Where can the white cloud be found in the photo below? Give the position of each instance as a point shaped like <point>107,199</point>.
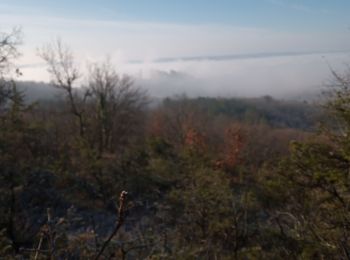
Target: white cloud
<point>282,77</point>
<point>93,39</point>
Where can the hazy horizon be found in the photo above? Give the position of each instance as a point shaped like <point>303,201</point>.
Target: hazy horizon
<point>232,48</point>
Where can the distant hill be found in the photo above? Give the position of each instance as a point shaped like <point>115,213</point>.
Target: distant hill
<point>276,113</point>
<point>36,91</point>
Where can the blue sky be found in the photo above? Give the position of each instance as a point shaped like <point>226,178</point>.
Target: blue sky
<point>279,14</point>
<point>150,30</point>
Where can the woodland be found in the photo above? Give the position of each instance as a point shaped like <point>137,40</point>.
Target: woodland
<point>102,173</point>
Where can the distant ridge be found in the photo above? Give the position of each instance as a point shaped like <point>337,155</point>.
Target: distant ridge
<point>258,55</point>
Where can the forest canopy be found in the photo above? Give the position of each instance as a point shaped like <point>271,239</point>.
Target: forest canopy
<point>101,173</point>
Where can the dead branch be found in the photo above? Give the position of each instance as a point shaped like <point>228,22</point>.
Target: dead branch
<point>120,222</point>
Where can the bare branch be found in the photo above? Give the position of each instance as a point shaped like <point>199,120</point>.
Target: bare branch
<point>64,73</point>
<point>8,48</point>
<point>120,222</point>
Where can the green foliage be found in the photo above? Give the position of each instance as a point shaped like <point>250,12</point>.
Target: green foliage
<point>205,176</point>
<point>317,188</point>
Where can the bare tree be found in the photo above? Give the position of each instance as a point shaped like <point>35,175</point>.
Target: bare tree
<point>64,74</point>
<point>9,48</point>
<point>117,103</point>
<point>8,52</point>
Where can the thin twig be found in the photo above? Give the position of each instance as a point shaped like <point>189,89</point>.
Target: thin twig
<point>121,218</point>
<point>50,233</point>
<point>39,246</point>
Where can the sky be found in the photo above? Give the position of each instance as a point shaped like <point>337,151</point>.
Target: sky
<point>198,47</point>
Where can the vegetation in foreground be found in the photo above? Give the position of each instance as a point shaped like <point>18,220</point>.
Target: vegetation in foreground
<point>202,182</point>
